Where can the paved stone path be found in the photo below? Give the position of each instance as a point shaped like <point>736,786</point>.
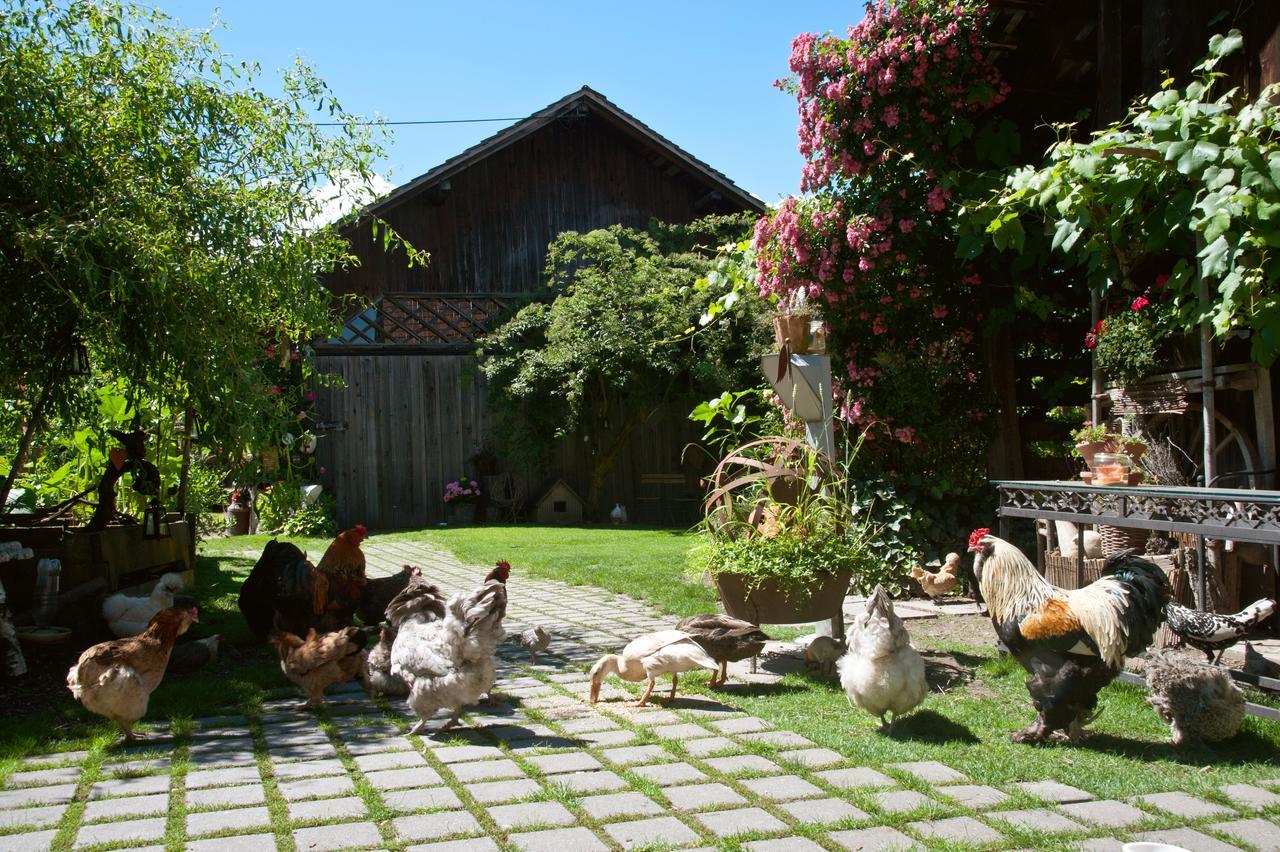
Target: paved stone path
<point>544,771</point>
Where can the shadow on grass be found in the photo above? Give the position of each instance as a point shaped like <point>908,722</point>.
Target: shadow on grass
<point>1245,747</point>
<point>927,726</point>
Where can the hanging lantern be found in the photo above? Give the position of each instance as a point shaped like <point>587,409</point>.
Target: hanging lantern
<point>153,523</point>
<point>78,359</point>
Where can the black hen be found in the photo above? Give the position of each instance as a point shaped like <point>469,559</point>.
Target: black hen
<point>278,595</point>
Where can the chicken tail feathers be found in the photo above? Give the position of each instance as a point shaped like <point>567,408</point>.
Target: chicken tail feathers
<point>1147,592</point>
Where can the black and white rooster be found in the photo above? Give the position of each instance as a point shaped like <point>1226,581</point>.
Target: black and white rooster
<point>1211,631</point>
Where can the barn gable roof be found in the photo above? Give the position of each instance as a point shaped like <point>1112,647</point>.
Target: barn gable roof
<point>585,98</point>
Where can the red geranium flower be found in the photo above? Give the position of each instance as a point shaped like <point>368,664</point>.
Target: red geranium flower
<point>1140,303</point>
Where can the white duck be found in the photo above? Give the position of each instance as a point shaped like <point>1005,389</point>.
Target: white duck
<point>129,616</point>
<point>649,657</point>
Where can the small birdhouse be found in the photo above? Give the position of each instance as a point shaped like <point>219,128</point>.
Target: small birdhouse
<point>559,505</point>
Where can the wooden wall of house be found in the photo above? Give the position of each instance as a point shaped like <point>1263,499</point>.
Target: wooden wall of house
<point>488,233</point>
<point>404,425</point>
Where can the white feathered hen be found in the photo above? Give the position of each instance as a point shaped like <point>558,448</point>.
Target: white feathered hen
<point>449,663</point>
<point>129,616</point>
<point>880,671</point>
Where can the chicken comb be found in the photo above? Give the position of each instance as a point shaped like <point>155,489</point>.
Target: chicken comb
<point>977,535</point>
<point>502,563</point>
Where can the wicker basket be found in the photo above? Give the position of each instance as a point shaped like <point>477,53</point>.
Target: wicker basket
<point>1122,538</point>
<point>1061,570</point>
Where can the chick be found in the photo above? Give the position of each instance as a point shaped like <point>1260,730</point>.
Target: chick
<point>822,654</point>
<point>535,640</point>
<point>881,672</point>
<point>1200,702</point>
<point>936,584</point>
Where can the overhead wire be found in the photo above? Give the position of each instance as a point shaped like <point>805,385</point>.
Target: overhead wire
<point>371,122</point>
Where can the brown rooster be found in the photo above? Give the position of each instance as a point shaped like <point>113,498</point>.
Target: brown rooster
<point>340,572</point>
<point>322,660</point>
<point>501,571</point>
<point>1072,642</point>
<point>116,679</point>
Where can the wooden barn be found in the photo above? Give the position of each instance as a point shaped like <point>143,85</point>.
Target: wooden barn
<point>409,415</point>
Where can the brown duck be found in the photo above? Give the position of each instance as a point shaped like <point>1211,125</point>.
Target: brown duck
<point>726,640</point>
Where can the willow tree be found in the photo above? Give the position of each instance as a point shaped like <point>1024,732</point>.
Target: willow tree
<point>154,210</point>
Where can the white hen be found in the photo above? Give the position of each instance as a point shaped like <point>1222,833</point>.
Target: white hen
<point>129,616</point>
<point>881,672</point>
<point>449,663</point>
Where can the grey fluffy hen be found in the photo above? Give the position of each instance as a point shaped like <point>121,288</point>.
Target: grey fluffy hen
<point>1200,703</point>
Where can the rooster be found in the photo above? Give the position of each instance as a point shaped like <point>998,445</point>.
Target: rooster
<point>501,571</point>
<point>339,575</point>
<point>285,592</point>
<point>1073,643</point>
<point>116,679</point>
<point>448,663</point>
<point>1211,631</point>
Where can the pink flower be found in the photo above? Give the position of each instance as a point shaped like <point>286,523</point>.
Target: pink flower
<point>940,312</point>
<point>1140,303</point>
<point>276,390</point>
<point>311,396</point>
<point>906,225</point>
<point>294,356</point>
<point>905,434</point>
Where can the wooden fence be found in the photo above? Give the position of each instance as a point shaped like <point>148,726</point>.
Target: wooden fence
<point>403,425</point>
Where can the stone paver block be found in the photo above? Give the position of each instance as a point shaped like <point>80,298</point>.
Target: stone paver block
<point>880,837</point>
<point>399,779</point>
<point>591,782</point>
<point>56,794</point>
<point>148,785</point>
<point>461,754</point>
<point>1187,838</point>
<point>120,832</point>
<point>326,809</point>
<point>930,771</point>
<point>783,788</point>
<point>1100,844</point>
<point>699,796</point>
<point>1183,805</point>
<point>291,771</point>
<point>1105,812</point>
<point>686,731</point>
<point>1037,819</point>
<point>127,806</point>
<point>1053,791</point>
<point>486,770</point>
<point>901,801</point>
<point>976,796</point>
<point>574,761</point>
<point>1258,833</point>
<point>740,821</point>
<point>434,826</point>
<point>416,800</point>
<point>651,832</point>
<point>210,822</point>
<point>198,779</point>
<point>45,777</point>
<point>588,724</point>
<point>389,760</point>
<point>241,794</point>
<point>37,817</point>
<point>785,739</point>
<point>602,739</point>
<point>378,746</point>
<point>632,755</point>
<point>741,725</point>
<point>710,745</point>
<point>815,758</point>
<point>238,843</point>
<point>349,835</point>
<point>783,844</point>
<point>495,792</point>
<point>531,813</point>
<point>822,811</point>
<point>316,788</point>
<point>859,776</point>
<point>668,774</point>
<point>475,844</point>
<point>1249,797</point>
<point>559,840</point>
<point>957,829</point>
<point>34,841</point>
<point>743,763</point>
<point>619,805</point>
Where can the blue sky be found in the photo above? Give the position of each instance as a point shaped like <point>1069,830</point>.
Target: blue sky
<point>700,72</point>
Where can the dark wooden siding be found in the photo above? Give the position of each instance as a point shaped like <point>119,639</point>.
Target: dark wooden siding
<point>404,425</point>
<point>490,230</point>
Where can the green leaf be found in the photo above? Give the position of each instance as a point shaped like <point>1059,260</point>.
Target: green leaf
<point>1220,45</point>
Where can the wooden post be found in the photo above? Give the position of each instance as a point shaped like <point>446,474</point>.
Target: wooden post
<point>1095,385</point>
<point>1208,415</point>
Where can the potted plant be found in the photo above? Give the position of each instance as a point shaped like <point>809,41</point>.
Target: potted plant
<point>460,498</point>
<point>781,562</point>
<point>791,323</point>
<point>1091,438</point>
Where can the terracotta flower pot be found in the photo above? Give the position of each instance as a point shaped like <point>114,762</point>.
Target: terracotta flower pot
<point>1087,449</point>
<point>770,603</point>
<point>792,329</point>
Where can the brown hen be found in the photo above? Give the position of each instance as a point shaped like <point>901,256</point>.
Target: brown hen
<point>322,660</point>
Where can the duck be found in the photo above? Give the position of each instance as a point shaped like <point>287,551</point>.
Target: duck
<point>726,639</point>
<point>651,656</point>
